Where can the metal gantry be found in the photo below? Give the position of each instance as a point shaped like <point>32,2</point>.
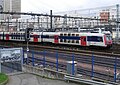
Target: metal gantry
<point>63,22</point>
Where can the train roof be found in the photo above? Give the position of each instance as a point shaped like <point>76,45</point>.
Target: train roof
<point>80,33</point>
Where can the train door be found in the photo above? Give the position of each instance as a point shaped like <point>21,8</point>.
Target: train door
<point>7,36</point>
<point>83,40</point>
<point>56,39</point>
<point>35,37</point>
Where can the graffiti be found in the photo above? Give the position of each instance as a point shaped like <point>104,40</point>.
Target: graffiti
<point>10,55</point>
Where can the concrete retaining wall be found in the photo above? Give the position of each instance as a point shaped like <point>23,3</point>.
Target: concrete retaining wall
<point>44,72</point>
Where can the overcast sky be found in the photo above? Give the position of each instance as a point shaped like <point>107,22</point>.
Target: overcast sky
<point>44,6</point>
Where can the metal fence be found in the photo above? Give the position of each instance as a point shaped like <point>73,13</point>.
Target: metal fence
<point>88,66</point>
<point>11,67</point>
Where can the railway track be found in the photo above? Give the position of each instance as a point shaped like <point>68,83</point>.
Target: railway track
<point>69,50</point>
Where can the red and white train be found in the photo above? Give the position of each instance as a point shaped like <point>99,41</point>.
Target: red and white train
<point>70,38</point>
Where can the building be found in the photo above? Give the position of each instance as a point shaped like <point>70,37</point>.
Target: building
<point>1,5</point>
<point>11,6</point>
<point>16,7</point>
<point>104,17</point>
<point>1,8</point>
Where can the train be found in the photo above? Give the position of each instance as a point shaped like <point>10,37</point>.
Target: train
<point>103,39</point>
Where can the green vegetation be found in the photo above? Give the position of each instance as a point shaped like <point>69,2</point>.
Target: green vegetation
<point>3,78</point>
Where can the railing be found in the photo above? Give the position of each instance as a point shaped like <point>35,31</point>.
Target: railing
<point>86,81</point>
<point>86,66</point>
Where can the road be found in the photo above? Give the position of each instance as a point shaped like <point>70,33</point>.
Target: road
<point>30,79</point>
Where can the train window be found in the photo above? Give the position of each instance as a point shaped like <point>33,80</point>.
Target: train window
<point>95,38</point>
<point>61,34</point>
<point>108,37</point>
<point>16,36</point>
<point>65,40</point>
<point>65,34</point>
<point>77,41</point>
<point>21,36</point>
<point>77,34</point>
<point>100,39</point>
<point>72,41</point>
<point>68,41</point>
<point>61,40</point>
<point>51,36</point>
<point>73,34</point>
<point>68,34</point>
<point>11,35</point>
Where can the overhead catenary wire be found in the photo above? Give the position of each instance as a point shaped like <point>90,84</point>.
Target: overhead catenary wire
<point>37,14</point>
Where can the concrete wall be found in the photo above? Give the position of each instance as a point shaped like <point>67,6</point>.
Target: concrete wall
<point>44,72</point>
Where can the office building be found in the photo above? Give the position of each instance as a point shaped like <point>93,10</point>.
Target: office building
<point>10,6</point>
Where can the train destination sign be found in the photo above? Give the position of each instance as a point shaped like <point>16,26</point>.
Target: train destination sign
<point>11,54</point>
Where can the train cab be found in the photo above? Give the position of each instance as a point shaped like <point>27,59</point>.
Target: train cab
<point>108,39</point>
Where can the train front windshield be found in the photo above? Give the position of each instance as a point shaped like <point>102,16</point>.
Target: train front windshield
<point>108,37</point>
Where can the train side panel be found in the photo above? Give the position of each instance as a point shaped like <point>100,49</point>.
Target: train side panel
<point>49,37</point>
<point>69,38</point>
<point>17,36</point>
<point>95,40</point>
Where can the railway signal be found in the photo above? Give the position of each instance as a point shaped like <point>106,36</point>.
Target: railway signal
<point>27,34</point>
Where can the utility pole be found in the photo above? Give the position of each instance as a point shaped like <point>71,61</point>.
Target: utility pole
<point>38,20</point>
<point>8,24</point>
<point>64,22</point>
<point>47,21</point>
<point>51,19</point>
<point>117,23</point>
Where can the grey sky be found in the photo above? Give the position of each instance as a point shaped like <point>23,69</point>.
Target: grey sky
<point>44,6</point>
